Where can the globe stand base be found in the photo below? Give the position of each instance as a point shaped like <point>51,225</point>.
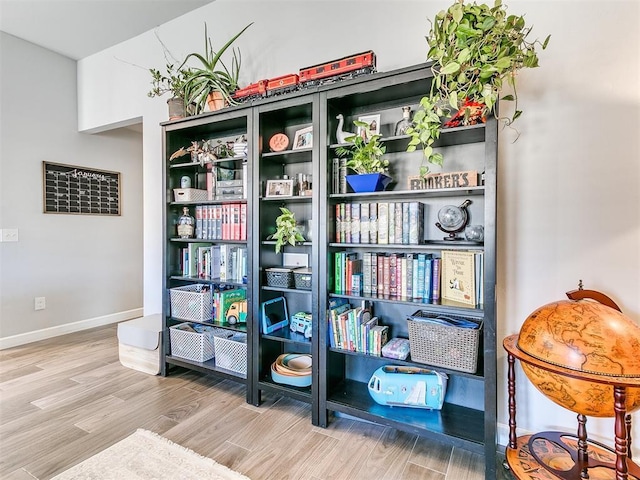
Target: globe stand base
<point>554,455</point>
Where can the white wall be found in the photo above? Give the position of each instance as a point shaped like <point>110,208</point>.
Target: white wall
<point>89,268</point>
<point>568,192</point>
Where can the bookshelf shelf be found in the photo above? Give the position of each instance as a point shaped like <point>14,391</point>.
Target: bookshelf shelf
<point>302,394</point>
<point>205,367</point>
<point>456,425</point>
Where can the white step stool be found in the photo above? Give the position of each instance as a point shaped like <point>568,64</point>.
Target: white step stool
<point>140,343</point>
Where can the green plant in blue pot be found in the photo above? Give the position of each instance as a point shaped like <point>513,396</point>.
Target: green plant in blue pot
<point>365,152</point>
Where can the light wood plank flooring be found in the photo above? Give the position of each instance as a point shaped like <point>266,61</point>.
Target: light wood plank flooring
<point>65,399</point>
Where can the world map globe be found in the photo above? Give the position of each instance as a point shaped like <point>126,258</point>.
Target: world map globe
<point>585,347</point>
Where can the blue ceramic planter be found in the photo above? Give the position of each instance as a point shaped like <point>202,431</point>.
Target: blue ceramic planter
<point>368,182</point>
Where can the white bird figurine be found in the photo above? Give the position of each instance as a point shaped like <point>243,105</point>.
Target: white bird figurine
<point>341,135</point>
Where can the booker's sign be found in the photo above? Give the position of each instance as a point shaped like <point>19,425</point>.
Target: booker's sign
<point>444,180</point>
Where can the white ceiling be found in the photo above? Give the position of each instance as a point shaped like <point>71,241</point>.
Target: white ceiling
<point>79,28</point>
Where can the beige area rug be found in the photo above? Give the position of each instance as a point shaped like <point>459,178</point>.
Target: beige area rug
<point>145,455</point>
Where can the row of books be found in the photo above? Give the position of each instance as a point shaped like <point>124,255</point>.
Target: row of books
<point>224,262</point>
<point>380,223</point>
<point>221,222</point>
<point>355,329</point>
<point>455,275</point>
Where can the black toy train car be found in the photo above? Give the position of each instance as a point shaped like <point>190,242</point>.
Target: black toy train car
<point>327,72</point>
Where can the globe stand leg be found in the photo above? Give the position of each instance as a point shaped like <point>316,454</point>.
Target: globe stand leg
<point>583,453</point>
<point>627,421</point>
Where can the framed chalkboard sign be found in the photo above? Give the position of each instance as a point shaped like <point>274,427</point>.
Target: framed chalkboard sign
<point>79,190</point>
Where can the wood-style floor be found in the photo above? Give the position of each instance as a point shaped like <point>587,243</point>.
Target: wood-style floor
<point>63,400</point>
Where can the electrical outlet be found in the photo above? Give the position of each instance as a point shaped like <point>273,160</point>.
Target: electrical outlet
<point>9,234</point>
<point>40,303</point>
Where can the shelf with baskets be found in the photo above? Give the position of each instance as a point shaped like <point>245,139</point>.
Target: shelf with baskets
<point>206,262</point>
<point>286,164</point>
<point>389,305</point>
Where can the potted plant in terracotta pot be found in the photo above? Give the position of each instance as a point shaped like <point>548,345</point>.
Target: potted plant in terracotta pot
<point>173,82</point>
<point>476,50</point>
<point>365,160</point>
<point>211,81</point>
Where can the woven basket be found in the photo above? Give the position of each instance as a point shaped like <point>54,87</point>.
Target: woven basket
<point>192,302</point>
<point>442,346</point>
<point>195,346</point>
<point>280,277</point>
<point>231,352</point>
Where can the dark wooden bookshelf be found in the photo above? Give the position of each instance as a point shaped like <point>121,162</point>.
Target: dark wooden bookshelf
<point>468,417</point>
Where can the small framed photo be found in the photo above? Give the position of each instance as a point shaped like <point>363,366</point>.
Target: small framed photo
<point>303,138</point>
<point>374,125</point>
<point>279,188</point>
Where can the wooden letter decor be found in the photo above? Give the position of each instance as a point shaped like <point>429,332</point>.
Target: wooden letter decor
<point>444,180</point>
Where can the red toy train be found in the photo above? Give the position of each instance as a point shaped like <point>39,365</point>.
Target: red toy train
<point>341,69</point>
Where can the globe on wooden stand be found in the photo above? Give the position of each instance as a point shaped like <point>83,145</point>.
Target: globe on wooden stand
<point>453,220</point>
<point>580,353</point>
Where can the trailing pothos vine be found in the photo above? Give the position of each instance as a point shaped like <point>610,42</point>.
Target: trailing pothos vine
<point>475,49</point>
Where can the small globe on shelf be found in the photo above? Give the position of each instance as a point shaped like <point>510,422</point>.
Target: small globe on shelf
<point>452,219</point>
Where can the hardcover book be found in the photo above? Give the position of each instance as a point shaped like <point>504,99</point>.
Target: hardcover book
<point>458,276</point>
<point>391,223</point>
<point>383,223</point>
<point>355,223</point>
<point>416,223</point>
<point>364,223</point>
<point>373,223</point>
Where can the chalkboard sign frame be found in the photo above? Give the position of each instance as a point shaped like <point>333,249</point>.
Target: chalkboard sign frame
<point>76,190</point>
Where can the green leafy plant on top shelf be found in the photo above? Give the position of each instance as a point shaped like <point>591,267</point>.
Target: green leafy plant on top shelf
<point>476,50</point>
<point>365,152</point>
<point>211,74</point>
<point>172,82</point>
<point>287,232</point>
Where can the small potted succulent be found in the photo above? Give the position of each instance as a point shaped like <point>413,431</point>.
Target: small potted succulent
<point>365,160</point>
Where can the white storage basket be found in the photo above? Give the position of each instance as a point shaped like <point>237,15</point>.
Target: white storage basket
<point>231,352</point>
<point>191,345</point>
<point>192,302</point>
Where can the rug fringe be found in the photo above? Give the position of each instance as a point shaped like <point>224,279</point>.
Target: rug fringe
<point>157,436</point>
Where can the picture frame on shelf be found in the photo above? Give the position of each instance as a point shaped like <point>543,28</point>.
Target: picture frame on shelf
<point>303,138</point>
<point>279,188</point>
<point>374,125</point>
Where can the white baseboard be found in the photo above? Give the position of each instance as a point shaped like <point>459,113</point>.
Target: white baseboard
<point>45,333</point>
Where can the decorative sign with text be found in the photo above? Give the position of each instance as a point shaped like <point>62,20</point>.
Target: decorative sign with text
<point>444,180</point>
<point>80,190</point>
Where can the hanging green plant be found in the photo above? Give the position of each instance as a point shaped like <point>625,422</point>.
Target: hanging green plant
<point>475,49</point>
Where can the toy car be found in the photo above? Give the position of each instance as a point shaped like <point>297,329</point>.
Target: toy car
<point>301,323</point>
<point>237,312</point>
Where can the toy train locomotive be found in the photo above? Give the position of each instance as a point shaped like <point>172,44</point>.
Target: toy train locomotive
<point>327,72</point>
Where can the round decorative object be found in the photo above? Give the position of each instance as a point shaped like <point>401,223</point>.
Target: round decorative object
<point>580,353</point>
<point>452,219</point>
<point>474,233</point>
<point>586,337</point>
<point>278,142</point>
